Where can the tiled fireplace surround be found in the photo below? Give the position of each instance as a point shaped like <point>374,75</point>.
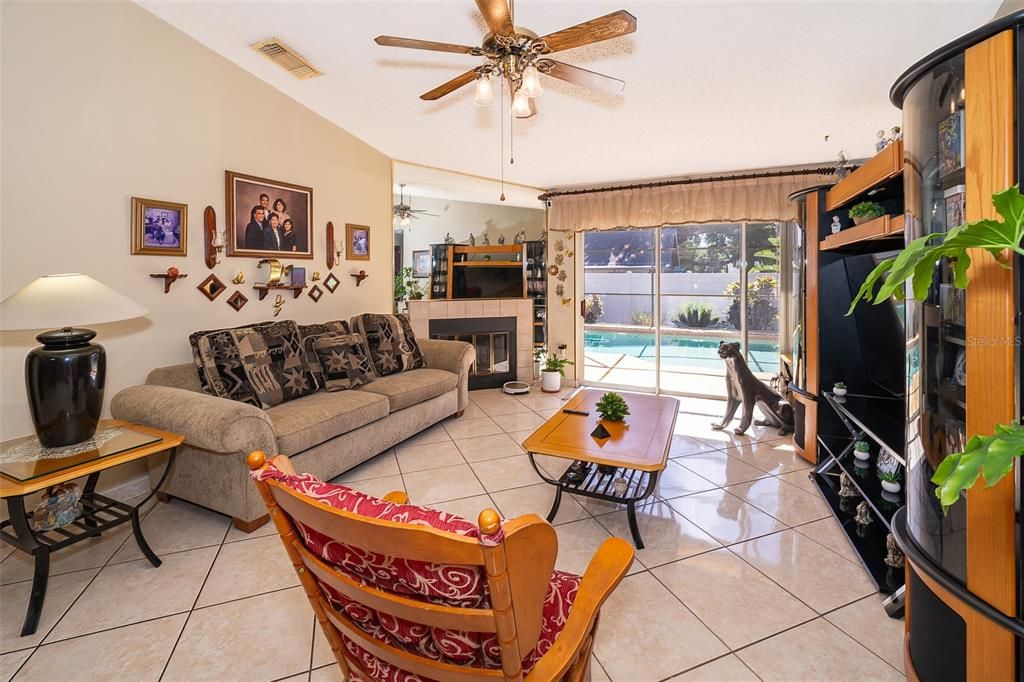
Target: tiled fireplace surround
<point>421,312</point>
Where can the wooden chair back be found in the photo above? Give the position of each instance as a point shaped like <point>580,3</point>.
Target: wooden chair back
<point>517,569</point>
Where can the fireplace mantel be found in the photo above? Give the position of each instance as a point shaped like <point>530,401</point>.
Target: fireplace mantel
<point>421,312</point>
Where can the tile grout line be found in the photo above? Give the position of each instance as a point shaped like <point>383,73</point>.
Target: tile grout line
<point>177,640</point>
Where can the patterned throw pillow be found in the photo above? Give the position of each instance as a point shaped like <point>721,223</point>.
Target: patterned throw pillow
<point>342,360</point>
<point>274,364</point>
<point>389,342</point>
<point>308,332</point>
<point>220,366</point>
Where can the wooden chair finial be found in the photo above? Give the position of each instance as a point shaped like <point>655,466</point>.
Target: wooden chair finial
<point>489,522</point>
<point>256,459</point>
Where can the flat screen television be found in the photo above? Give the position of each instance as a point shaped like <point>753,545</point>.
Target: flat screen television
<point>492,281</point>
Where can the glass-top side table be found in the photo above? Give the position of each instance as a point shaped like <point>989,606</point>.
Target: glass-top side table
<point>27,468</point>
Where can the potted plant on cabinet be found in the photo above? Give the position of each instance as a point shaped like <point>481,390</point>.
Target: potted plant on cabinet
<point>551,375</point>
<point>865,211</point>
<point>862,450</point>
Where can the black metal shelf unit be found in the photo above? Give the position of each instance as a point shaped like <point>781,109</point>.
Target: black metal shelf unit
<point>439,270</point>
<point>537,289</point>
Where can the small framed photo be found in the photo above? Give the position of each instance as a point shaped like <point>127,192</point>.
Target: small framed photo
<point>358,239</point>
<point>421,263</point>
<point>956,206</point>
<point>159,228</point>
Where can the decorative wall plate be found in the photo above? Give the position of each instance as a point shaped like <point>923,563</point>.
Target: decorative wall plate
<point>552,270</point>
<point>331,282</point>
<point>212,287</point>
<point>315,293</point>
<point>237,300</point>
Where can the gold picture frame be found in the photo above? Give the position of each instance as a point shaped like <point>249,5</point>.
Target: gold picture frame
<point>357,242</point>
<point>159,228</point>
<point>243,194</point>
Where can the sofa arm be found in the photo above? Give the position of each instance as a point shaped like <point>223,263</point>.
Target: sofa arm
<point>454,356</point>
<point>206,421</point>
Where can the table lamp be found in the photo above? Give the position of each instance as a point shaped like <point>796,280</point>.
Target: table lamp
<point>66,375</point>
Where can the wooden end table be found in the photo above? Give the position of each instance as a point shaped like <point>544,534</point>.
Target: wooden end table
<point>637,449</point>
<point>38,469</point>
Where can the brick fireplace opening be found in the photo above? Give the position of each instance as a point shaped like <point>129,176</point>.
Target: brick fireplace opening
<point>494,340</point>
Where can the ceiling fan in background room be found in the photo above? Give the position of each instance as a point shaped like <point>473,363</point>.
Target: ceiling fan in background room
<point>404,212</point>
<point>517,56</point>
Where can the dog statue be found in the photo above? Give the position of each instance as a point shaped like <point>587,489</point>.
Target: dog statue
<point>742,387</point>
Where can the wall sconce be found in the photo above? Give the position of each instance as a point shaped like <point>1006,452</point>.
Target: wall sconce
<point>339,249</point>
<point>219,242</point>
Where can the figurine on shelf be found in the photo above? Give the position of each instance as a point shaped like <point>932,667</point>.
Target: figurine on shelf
<point>846,488</point>
<point>520,237</point>
<point>880,141</point>
<point>472,239</point>
<point>842,166</point>
<point>895,134</point>
<point>448,238</point>
<point>893,555</point>
<point>837,225</point>
<point>485,240</point>
<point>863,516</point>
<point>501,240</point>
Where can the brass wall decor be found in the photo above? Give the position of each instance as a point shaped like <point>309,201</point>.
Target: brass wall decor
<point>276,270</point>
<point>237,300</point>
<point>315,293</point>
<point>238,278</point>
<point>316,275</point>
<point>211,287</point>
<point>278,304</point>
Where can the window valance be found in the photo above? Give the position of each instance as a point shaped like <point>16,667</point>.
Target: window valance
<point>699,201</point>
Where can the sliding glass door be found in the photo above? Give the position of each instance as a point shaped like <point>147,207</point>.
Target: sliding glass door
<point>657,303</point>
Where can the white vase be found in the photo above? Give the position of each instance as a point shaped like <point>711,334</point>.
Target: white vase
<point>551,382</point>
<point>838,391</point>
<point>890,486</point>
<point>861,455</point>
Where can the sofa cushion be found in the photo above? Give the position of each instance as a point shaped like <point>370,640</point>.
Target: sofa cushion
<point>311,331</point>
<point>389,342</point>
<point>274,363</point>
<point>342,359</point>
<point>302,424</point>
<point>219,366</point>
<point>410,388</point>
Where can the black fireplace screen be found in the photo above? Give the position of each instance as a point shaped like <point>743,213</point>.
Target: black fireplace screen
<point>494,342</point>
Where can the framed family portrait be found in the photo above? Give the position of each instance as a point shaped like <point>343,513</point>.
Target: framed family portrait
<point>358,239</point>
<point>159,228</point>
<point>421,263</point>
<point>268,218</point>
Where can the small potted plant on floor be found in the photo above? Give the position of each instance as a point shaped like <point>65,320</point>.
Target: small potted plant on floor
<point>862,450</point>
<point>865,211</point>
<point>551,375</point>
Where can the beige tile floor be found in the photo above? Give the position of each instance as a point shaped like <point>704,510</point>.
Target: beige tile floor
<point>745,575</point>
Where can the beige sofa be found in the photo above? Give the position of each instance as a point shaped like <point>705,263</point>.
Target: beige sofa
<point>324,433</point>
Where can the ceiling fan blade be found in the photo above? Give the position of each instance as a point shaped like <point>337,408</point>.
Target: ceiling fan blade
<point>603,28</point>
<point>588,79</point>
<point>416,44</point>
<point>497,15</point>
<point>451,86</point>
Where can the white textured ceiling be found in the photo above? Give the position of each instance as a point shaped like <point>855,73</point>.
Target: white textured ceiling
<point>710,86</point>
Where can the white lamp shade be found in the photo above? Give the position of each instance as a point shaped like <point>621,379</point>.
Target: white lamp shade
<point>67,300</point>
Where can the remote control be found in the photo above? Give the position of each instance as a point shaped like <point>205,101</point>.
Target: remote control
<point>582,413</point>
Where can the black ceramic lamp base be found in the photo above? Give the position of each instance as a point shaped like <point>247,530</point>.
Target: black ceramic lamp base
<point>65,379</point>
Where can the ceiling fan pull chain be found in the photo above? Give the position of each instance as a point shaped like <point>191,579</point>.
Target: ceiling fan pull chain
<point>501,135</point>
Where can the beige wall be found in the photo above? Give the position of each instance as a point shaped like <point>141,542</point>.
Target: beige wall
<point>103,101</point>
<point>462,217</point>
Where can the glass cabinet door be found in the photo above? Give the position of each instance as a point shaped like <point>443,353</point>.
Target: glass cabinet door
<point>934,186</point>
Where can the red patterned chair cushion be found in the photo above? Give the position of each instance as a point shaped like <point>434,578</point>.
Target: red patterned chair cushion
<point>460,586</point>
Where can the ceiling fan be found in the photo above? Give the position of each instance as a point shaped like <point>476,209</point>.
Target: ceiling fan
<point>404,212</point>
<point>518,56</point>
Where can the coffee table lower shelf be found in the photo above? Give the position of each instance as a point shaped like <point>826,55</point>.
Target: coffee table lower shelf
<point>599,486</point>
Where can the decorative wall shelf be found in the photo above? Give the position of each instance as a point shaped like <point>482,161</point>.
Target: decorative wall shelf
<point>360,276</point>
<point>884,227</point>
<point>264,289</point>
<point>168,279</point>
<point>884,166</point>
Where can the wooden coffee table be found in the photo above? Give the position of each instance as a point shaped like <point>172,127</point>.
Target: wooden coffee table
<point>26,468</point>
<point>637,449</point>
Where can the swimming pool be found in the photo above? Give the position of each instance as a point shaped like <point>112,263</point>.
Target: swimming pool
<point>680,350</point>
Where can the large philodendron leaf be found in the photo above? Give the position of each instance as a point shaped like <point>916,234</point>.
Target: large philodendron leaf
<point>991,457</point>
<point>916,261</point>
